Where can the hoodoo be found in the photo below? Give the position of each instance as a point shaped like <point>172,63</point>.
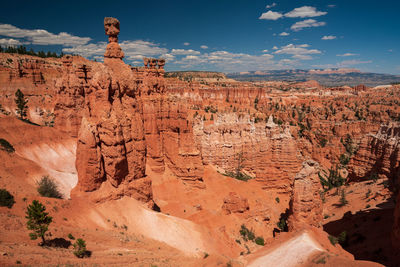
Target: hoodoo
<point>142,166</point>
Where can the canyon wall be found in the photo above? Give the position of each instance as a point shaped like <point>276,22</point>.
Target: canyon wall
<point>265,151</point>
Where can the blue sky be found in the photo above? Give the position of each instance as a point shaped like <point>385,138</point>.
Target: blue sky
<point>217,35</point>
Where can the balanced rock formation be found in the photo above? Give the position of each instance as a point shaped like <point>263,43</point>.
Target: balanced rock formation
<point>127,121</point>
<point>111,145</point>
<point>113,50</point>
<point>306,204</point>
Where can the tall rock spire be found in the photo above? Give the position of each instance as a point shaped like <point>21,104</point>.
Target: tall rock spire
<point>113,50</point>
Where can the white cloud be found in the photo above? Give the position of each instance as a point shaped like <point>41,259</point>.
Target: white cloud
<point>305,12</point>
<point>271,15</point>
<point>288,62</point>
<point>292,49</point>
<point>203,47</point>
<point>140,47</point>
<point>10,42</point>
<point>186,43</point>
<point>168,57</point>
<point>343,64</point>
<point>347,55</point>
<point>300,52</point>
<point>302,57</point>
<point>353,62</point>
<point>328,37</point>
<point>184,52</point>
<point>190,57</point>
<point>88,51</point>
<point>227,61</point>
<point>306,24</point>
<point>271,5</point>
<point>134,50</point>
<point>283,34</point>
<point>275,47</point>
<point>42,37</point>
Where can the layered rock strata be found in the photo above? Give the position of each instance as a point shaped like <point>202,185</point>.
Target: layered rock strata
<point>265,151</point>
<point>306,205</point>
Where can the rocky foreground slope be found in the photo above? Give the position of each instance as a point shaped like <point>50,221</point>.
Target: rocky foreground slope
<point>198,164</point>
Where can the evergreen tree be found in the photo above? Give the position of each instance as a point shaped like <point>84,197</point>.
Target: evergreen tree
<point>21,104</point>
<point>38,220</point>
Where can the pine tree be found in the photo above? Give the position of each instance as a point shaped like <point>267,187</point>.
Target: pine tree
<point>343,200</point>
<point>21,104</point>
<point>38,220</point>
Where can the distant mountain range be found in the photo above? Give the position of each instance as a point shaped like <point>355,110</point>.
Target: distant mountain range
<point>327,77</point>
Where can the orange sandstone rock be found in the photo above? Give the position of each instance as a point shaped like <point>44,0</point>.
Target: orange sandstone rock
<point>234,203</point>
<point>305,204</point>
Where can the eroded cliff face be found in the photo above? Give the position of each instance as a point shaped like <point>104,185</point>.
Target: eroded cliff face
<point>70,96</point>
<point>169,136</point>
<point>378,154</point>
<point>265,151</point>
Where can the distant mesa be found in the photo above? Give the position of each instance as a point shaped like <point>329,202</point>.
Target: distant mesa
<point>326,77</point>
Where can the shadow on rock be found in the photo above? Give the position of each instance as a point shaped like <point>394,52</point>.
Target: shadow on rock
<point>58,243</point>
<point>367,234</point>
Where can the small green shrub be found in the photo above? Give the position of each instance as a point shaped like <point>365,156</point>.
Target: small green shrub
<point>70,236</point>
<point>334,179</point>
<point>344,159</point>
<point>48,188</point>
<point>239,176</point>
<point>6,199</point>
<point>321,261</point>
<point>333,240</point>
<point>80,248</point>
<point>342,238</point>
<point>277,200</point>
<point>282,223</point>
<point>343,200</point>
<point>6,146</point>
<point>323,142</point>
<point>374,177</point>
<point>367,195</point>
<point>246,233</point>
<point>259,241</point>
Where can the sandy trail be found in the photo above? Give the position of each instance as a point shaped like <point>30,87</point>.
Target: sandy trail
<point>293,252</point>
